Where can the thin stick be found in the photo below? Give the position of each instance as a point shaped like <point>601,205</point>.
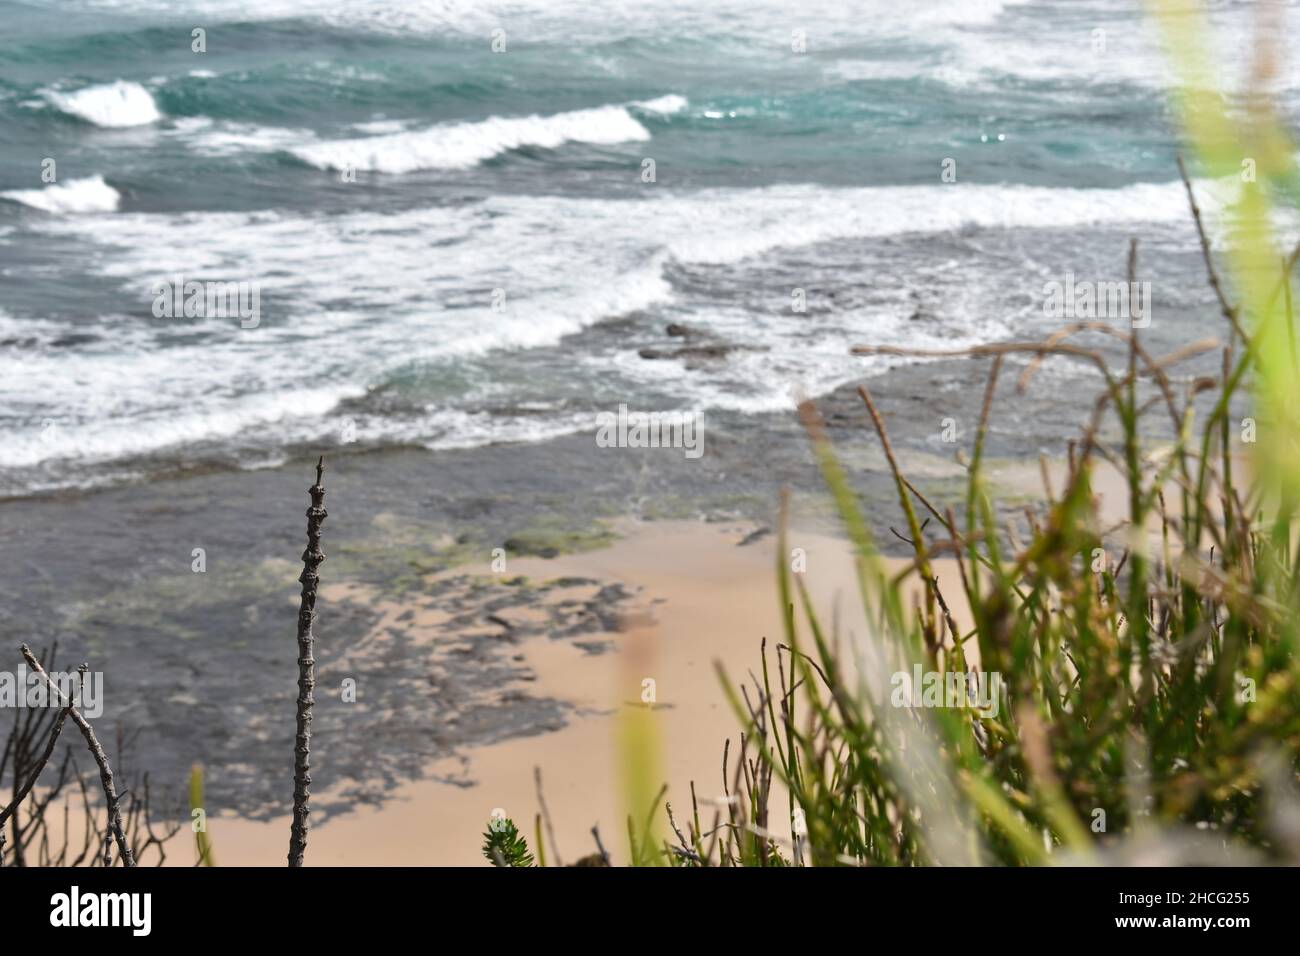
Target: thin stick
<point>546,816</point>
<point>686,850</point>
<point>1229,310</point>
<point>913,526</point>
<point>604,855</point>
<point>947,614</point>
<point>96,751</point>
<point>31,780</point>
<point>311,559</point>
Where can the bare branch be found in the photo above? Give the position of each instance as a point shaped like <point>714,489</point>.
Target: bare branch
<point>311,559</point>
<point>96,751</point>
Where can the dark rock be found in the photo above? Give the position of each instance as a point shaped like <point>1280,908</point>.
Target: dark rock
<point>689,352</point>
<point>523,547</point>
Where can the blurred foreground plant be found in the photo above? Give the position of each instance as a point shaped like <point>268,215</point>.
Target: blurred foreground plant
<point>1148,707</point>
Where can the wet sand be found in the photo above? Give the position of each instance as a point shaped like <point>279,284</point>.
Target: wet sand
<point>702,597</point>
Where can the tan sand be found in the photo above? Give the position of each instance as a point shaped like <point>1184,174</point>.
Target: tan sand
<point>703,598</point>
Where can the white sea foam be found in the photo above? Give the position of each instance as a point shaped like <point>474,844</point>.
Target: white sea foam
<point>552,20</point>
<point>667,104</point>
<point>463,145</point>
<point>90,194</point>
<point>112,104</point>
<point>104,439</point>
<point>381,127</point>
<point>972,43</point>
<point>802,215</point>
<point>380,294</point>
<point>1089,43</point>
<point>390,146</point>
<point>226,138</point>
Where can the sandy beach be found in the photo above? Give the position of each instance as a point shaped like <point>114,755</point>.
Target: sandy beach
<point>703,594</point>
<point>549,653</point>
<point>700,593</point>
<point>700,597</point>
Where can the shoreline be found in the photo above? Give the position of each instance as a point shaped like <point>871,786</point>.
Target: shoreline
<point>532,665</point>
<point>203,665</point>
<point>707,597</point>
<point>684,620</point>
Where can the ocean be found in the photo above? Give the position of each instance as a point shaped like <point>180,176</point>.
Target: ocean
<point>449,217</point>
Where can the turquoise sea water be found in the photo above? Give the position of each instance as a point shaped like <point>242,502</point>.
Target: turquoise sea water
<point>445,210</point>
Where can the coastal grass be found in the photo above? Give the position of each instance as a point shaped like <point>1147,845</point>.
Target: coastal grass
<point>1148,691</point>
<point>198,812</point>
<point>1146,682</point>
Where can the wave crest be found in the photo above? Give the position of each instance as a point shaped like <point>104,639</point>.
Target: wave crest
<point>91,194</point>
<point>111,105</point>
<point>465,145</point>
